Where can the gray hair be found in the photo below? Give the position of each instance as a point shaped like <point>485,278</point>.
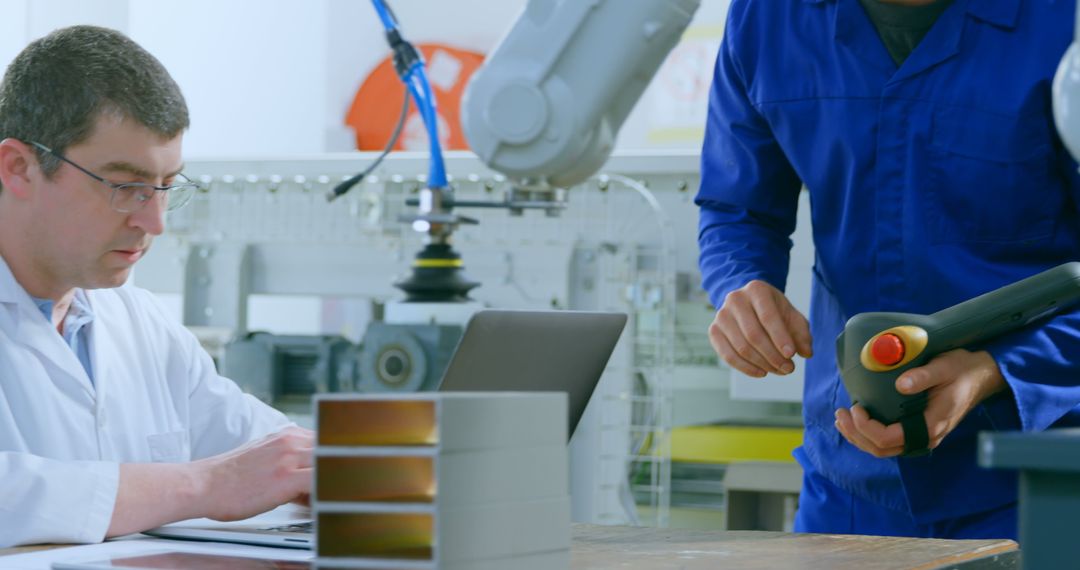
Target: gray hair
<point>58,86</point>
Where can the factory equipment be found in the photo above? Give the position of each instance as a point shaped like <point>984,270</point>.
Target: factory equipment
<point>1049,470</point>
<point>534,112</point>
<point>287,370</point>
<point>549,100</point>
<point>876,348</point>
<point>544,109</point>
<point>263,250</point>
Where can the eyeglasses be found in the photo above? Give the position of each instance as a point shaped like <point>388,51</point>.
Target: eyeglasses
<point>133,196</point>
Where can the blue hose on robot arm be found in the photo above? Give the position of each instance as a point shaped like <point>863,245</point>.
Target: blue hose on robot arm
<point>409,65</point>
<point>410,68</point>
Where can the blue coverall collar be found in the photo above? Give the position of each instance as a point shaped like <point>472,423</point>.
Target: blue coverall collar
<point>853,29</point>
<point>998,12</point>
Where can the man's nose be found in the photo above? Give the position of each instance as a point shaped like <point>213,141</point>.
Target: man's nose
<point>151,217</point>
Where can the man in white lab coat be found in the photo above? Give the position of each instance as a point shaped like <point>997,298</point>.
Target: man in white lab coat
<point>112,417</point>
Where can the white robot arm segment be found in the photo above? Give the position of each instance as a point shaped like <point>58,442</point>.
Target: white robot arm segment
<point>545,107</point>
<point>1066,95</point>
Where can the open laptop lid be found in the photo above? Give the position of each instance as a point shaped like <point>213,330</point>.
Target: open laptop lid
<point>535,351</point>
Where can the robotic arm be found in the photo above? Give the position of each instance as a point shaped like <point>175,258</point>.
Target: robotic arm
<point>547,104</point>
<point>544,109</point>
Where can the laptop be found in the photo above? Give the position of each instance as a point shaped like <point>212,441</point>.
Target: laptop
<point>508,351</point>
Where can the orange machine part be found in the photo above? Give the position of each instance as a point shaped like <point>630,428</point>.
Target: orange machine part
<point>377,104</point>
<point>888,349</point>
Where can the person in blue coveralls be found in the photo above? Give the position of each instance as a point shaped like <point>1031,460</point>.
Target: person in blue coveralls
<point>923,133</point>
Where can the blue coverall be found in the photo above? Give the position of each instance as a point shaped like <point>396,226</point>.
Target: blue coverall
<point>929,184</point>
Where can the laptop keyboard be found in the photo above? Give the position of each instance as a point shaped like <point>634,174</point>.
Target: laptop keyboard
<point>298,527</point>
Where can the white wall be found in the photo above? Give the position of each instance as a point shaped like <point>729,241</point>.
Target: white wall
<point>25,20</point>
<point>253,71</point>
<point>275,77</point>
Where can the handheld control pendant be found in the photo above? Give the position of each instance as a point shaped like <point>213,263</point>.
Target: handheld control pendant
<point>875,348</point>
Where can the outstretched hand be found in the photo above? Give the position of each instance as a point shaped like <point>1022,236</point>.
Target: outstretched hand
<point>956,382</point>
<point>758,331</point>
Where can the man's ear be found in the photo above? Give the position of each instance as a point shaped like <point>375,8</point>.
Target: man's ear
<point>17,161</point>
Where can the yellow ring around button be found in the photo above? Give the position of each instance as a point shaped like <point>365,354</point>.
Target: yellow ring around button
<point>438,263</point>
<point>914,339</point>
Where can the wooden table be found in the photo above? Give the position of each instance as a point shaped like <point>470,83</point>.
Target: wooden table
<point>639,548</point>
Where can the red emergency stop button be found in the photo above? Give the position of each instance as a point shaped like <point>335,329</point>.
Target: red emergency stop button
<point>888,349</point>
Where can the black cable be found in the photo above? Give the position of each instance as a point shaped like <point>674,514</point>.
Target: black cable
<point>347,185</point>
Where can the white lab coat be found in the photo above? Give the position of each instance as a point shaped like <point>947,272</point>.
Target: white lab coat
<point>157,398</point>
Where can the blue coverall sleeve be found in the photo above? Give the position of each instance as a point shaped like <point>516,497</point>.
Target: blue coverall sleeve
<point>749,191</point>
<point>1040,363</point>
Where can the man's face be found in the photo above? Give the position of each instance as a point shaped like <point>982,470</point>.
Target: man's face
<point>79,239</point>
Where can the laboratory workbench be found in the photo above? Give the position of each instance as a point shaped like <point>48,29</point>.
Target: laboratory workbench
<point>633,548</point>
<point>640,548</point>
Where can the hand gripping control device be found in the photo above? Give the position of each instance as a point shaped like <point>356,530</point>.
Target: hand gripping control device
<point>875,348</point>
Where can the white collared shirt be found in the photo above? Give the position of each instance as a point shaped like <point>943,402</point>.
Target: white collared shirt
<point>156,398</point>
<point>76,327</point>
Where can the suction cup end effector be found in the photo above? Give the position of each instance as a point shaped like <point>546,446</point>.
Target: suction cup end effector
<point>437,277</point>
